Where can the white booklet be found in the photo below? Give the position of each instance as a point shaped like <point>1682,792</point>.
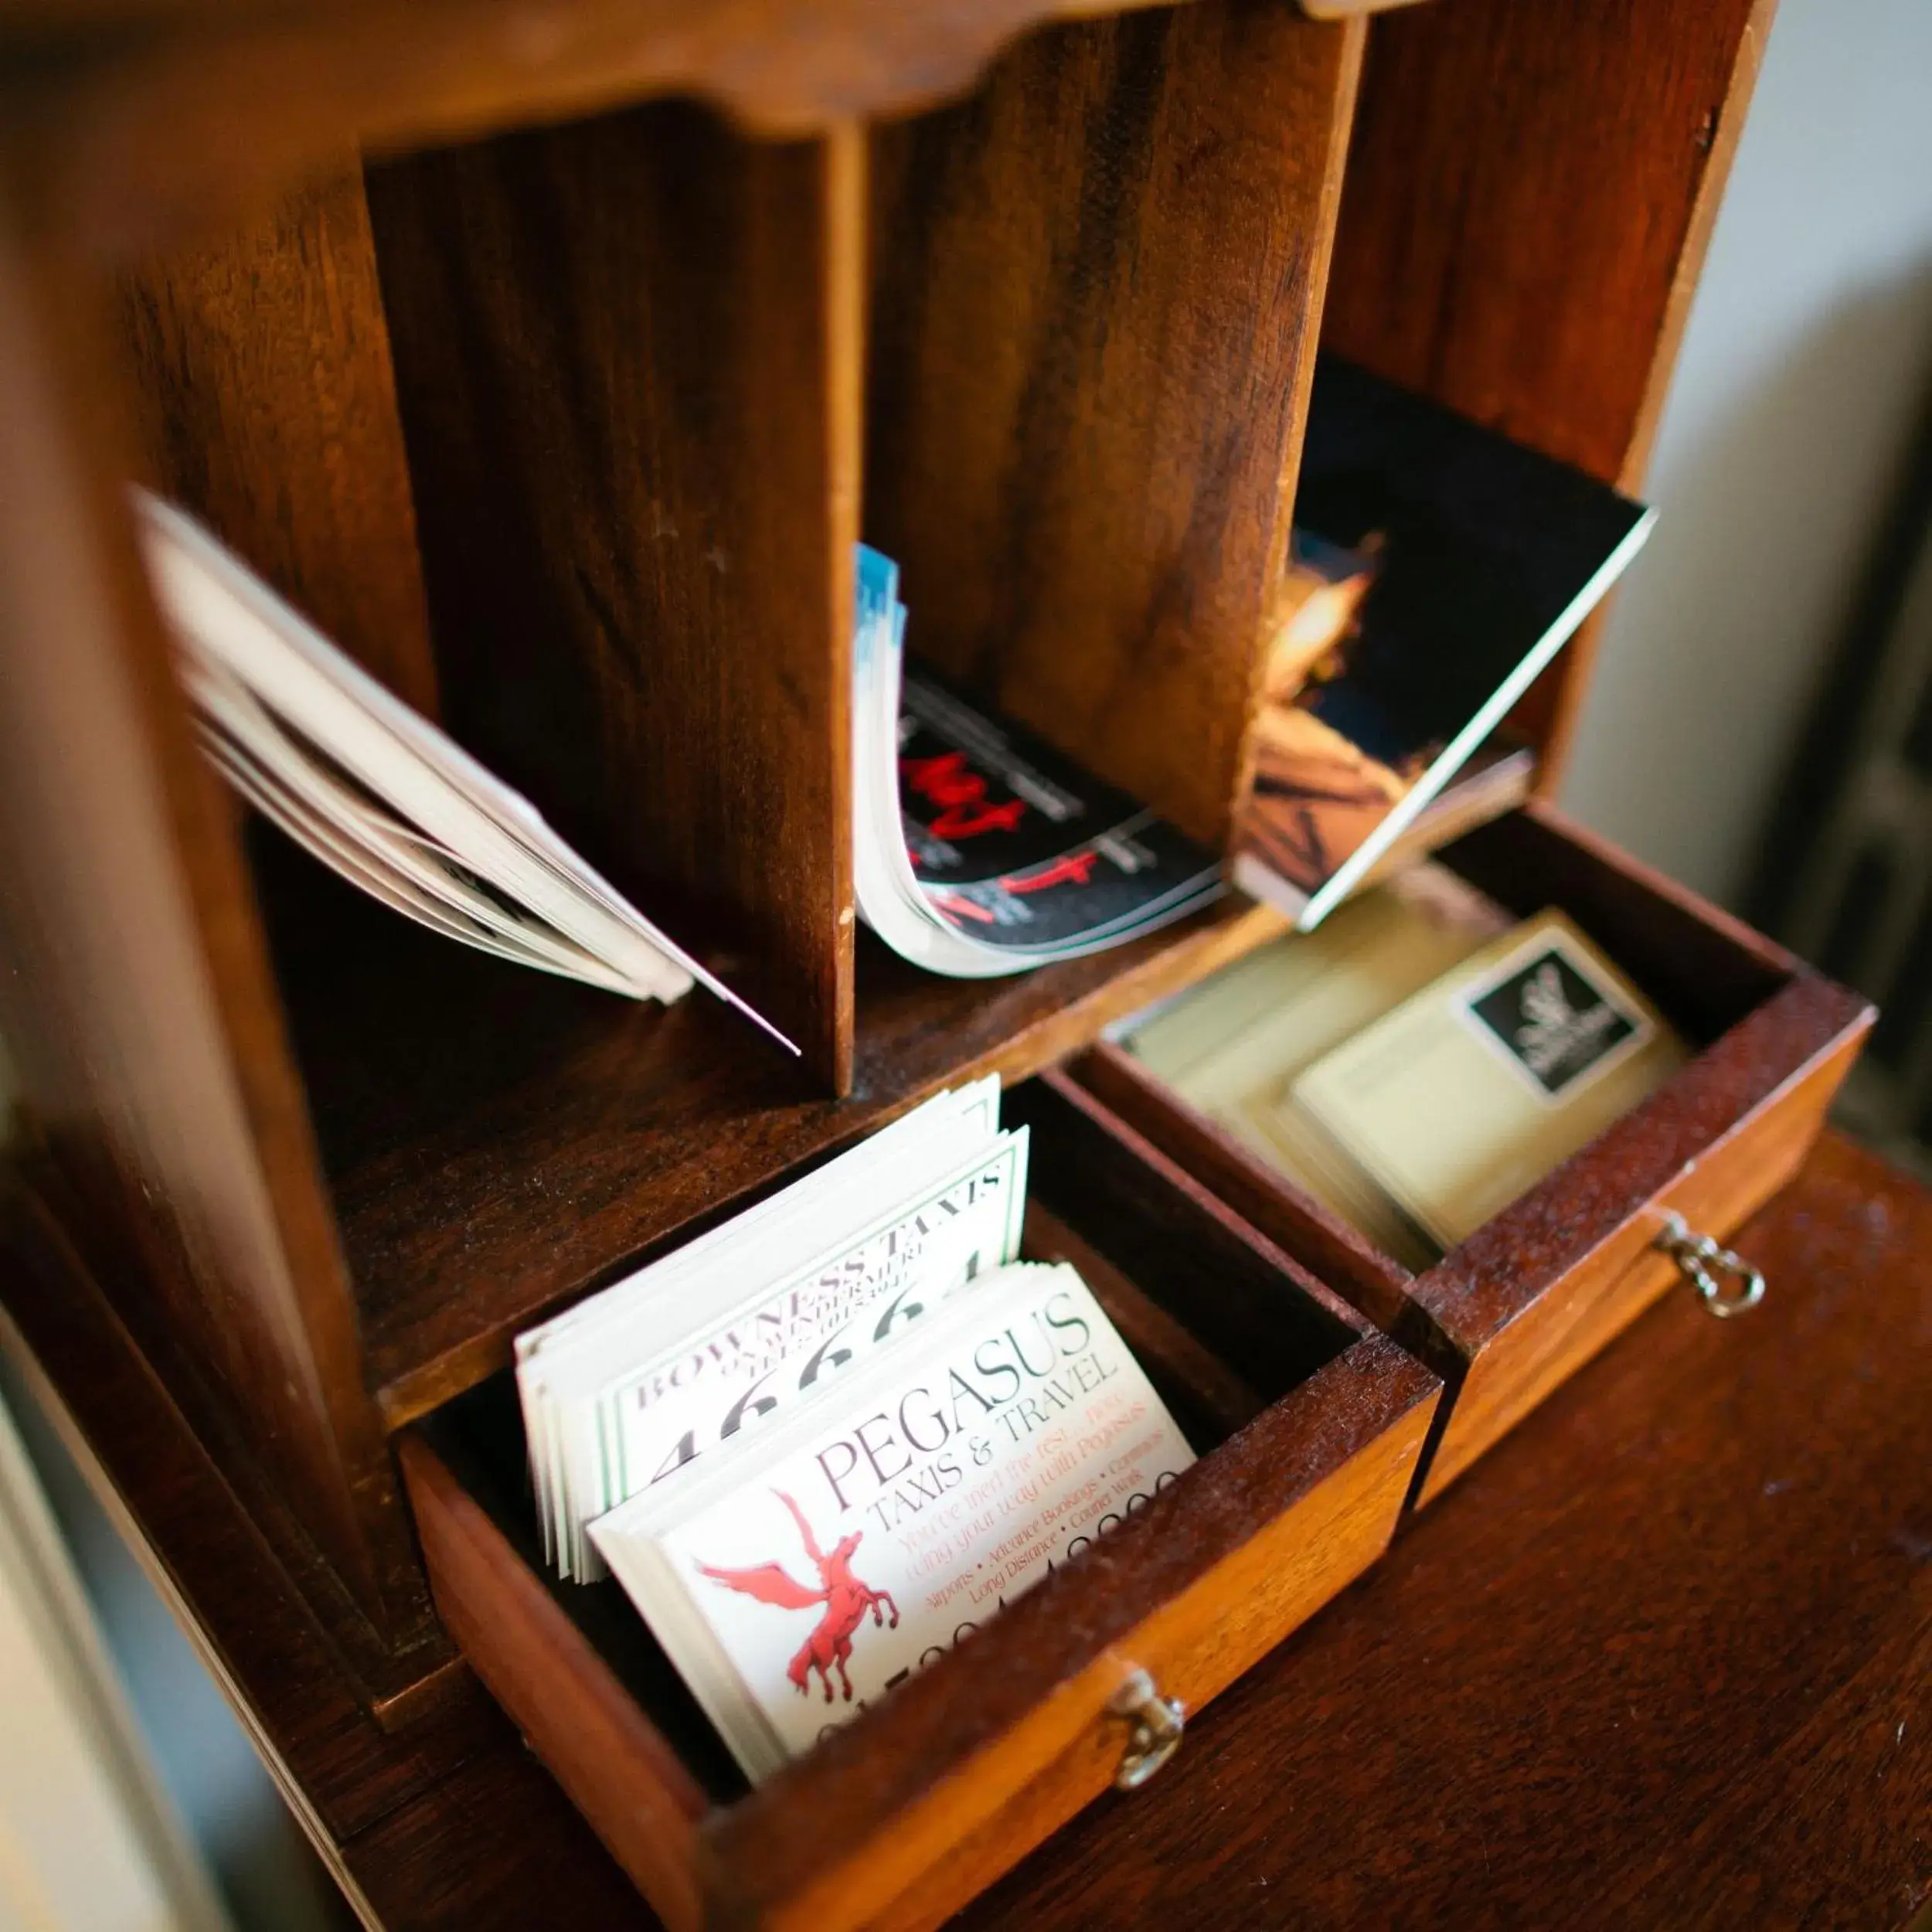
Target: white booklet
<point>677,1362</point>
<point>803,1577</point>
<point>379,794</point>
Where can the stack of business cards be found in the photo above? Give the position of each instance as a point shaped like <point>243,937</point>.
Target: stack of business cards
<point>1234,1044</point>
<point>1474,1089</point>
<point>711,1344</point>
<point>799,1576</point>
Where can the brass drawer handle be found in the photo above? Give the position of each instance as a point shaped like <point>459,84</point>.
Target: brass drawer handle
<point>1703,1262</point>
<point>1157,1723</point>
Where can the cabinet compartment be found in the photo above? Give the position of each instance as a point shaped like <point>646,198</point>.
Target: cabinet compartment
<point>1309,1424</point>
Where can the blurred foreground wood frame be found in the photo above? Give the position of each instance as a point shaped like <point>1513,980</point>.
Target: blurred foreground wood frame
<point>552,359</point>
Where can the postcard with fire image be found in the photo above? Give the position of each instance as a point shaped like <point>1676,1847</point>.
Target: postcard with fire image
<point>1435,568</point>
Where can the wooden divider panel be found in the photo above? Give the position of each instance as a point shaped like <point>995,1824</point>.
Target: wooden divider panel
<point>268,408</point>
<point>1095,285</point>
<point>1529,194</point>
<point>135,993</point>
<point>628,353</point>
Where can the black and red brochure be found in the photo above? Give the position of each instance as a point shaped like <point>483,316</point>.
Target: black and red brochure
<point>980,850</point>
<point>1016,846</point>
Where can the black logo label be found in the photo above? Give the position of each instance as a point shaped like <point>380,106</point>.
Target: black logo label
<point>1552,1022</point>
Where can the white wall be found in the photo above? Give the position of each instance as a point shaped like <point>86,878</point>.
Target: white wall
<point>268,1879</point>
<point>267,1876</point>
<point>1805,369</point>
<point>89,1840</point>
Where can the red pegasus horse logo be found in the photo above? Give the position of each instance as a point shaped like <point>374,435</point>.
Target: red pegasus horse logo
<point>845,1599</point>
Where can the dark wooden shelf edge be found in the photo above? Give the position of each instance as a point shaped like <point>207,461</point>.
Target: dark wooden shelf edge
<point>211,1535</point>
<point>459,1239</point>
<point>137,122</point>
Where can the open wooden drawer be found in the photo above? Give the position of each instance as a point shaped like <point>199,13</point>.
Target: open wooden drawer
<point>1538,1289</point>
<point>1309,1426</point>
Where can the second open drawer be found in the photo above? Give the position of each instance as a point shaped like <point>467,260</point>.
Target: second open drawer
<point>1540,1286</point>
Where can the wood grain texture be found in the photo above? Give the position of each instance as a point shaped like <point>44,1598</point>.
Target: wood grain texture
<point>1861,1768</point>
<point>1096,288</point>
<point>1529,195</point>
<point>1209,1398</point>
<point>1302,1502</point>
<point>138,132</point>
<point>1268,1527</point>
<point>267,408</point>
<point>424,1862</point>
<point>353,1785</point>
<point>1713,1146</point>
<point>498,1143</point>
<point>1264,1309</point>
<point>1534,1292</point>
<point>900,1818</point>
<point>138,1001</point>
<point>209,1549</point>
<point>612,1764</point>
<point>398,1673</point>
<point>1704,966</point>
<point>628,353</point>
<point>1647,1665</point>
<point>1376,1283</point>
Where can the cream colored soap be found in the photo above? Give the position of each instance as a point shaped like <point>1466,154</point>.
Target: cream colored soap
<point>1469,1092</point>
<point>1229,1045</point>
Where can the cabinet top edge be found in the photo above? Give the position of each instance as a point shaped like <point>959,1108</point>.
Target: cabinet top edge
<point>133,111</point>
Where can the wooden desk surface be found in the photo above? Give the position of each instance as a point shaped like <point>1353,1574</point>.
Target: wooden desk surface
<point>1663,1659</point>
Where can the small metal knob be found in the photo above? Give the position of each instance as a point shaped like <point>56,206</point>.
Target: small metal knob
<point>1156,1722</point>
<point>1704,1262</point>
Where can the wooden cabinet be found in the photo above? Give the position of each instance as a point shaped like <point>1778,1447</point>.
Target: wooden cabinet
<point>554,360</point>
